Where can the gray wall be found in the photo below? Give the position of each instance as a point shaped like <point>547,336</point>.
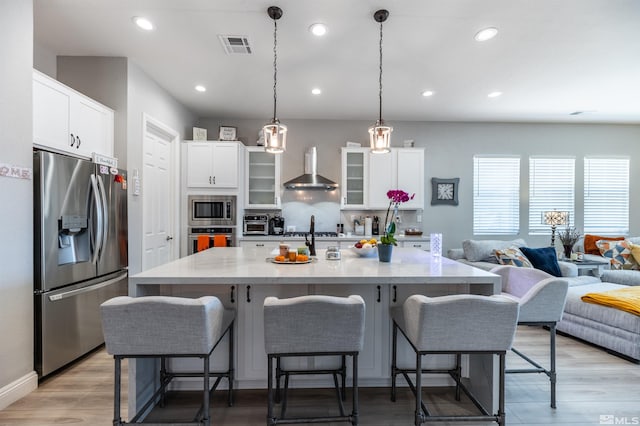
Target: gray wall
<point>105,80</point>
<point>44,60</point>
<point>146,96</point>
<point>16,199</point>
<point>449,150</point>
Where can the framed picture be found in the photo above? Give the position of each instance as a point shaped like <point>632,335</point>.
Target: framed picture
<point>444,191</point>
<point>199,134</point>
<point>227,133</point>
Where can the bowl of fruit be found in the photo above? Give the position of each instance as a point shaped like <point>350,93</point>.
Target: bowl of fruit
<point>365,248</point>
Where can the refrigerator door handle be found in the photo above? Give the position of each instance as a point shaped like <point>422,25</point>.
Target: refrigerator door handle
<point>75,292</point>
<point>100,219</point>
<point>105,213</point>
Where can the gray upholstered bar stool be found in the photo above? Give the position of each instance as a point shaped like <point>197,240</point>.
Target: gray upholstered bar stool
<point>542,298</point>
<point>313,325</point>
<point>457,324</point>
<point>168,327</point>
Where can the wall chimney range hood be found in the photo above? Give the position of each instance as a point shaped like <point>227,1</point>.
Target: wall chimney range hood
<point>310,179</point>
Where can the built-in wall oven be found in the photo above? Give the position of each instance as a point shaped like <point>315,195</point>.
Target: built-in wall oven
<point>197,233</point>
<point>212,210</point>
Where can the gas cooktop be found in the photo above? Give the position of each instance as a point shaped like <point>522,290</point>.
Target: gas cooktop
<point>317,234</point>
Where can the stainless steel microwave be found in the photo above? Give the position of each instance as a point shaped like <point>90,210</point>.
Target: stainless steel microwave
<point>212,210</point>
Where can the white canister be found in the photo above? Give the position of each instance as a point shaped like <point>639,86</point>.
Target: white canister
<point>368,225</point>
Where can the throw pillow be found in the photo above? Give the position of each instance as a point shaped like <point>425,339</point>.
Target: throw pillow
<point>544,258</point>
<point>482,250</point>
<point>619,253</point>
<point>512,256</point>
<point>635,251</point>
<point>590,246</point>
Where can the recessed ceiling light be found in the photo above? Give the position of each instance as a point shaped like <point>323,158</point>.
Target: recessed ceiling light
<point>494,94</point>
<point>316,91</point>
<point>200,88</point>
<point>427,93</point>
<point>486,34</point>
<point>143,23</point>
<point>318,29</point>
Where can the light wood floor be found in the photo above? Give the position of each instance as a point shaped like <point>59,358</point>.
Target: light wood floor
<point>591,384</point>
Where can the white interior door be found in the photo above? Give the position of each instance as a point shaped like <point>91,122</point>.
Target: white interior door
<point>159,197</point>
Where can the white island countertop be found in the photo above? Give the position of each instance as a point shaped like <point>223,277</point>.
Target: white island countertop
<point>249,265</point>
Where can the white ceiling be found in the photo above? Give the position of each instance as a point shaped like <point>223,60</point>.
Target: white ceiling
<point>550,58</point>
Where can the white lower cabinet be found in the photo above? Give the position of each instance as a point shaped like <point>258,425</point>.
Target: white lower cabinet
<point>373,360</point>
<point>422,245</point>
<point>252,358</point>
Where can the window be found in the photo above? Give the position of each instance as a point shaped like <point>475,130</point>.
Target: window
<point>551,187</point>
<point>496,195</point>
<point>606,196</point>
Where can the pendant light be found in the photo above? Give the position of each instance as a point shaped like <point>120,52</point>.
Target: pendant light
<point>379,134</point>
<point>275,134</point>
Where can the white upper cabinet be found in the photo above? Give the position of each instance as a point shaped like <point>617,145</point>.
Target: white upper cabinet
<point>402,168</point>
<point>262,179</point>
<point>212,164</point>
<point>382,178</point>
<point>67,121</point>
<point>410,172</point>
<point>366,177</point>
<point>355,167</point>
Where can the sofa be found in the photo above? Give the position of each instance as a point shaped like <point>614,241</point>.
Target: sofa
<point>619,276</point>
<point>615,330</point>
<point>481,254</point>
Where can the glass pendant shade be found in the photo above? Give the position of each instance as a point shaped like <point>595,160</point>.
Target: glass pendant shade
<point>275,137</point>
<point>380,138</point>
<point>379,134</point>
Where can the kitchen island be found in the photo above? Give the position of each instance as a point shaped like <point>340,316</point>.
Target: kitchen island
<point>243,277</point>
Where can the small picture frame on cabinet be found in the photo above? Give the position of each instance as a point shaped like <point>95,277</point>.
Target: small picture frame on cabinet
<point>227,133</point>
<point>199,134</point>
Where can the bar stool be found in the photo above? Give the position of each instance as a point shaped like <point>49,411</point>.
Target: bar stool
<point>542,298</point>
<point>168,327</point>
<point>456,324</point>
<point>313,325</point>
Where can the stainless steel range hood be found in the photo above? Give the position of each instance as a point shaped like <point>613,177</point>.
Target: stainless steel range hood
<point>310,179</point>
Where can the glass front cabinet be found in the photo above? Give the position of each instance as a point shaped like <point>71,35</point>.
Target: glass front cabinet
<point>355,169</point>
<point>263,181</point>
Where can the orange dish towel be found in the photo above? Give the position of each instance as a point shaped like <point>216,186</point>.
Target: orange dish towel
<point>625,299</point>
<point>219,241</point>
<point>203,242</point>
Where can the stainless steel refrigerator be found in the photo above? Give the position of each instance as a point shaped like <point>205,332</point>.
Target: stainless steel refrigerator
<point>80,259</point>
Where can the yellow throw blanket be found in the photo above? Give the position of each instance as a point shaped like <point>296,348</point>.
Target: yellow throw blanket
<point>625,299</point>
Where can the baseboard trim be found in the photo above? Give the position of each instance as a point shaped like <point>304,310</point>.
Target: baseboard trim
<point>18,389</point>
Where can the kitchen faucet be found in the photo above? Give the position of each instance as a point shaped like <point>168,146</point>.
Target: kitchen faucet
<point>312,231</point>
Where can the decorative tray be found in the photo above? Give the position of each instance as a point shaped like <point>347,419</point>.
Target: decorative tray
<point>288,262</point>
<point>412,232</point>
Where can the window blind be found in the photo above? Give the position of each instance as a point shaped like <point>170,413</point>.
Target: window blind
<point>606,196</point>
<point>551,187</point>
<point>496,195</point>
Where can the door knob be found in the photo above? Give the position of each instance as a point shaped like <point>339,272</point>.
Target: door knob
<point>169,238</point>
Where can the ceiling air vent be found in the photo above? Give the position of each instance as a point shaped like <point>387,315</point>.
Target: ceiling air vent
<point>235,45</point>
